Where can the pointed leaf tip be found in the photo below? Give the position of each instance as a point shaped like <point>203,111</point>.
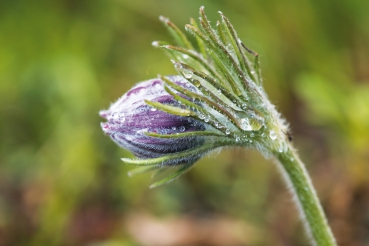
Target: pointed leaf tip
<point>172,177</point>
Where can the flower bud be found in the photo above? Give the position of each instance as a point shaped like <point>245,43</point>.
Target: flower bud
<point>130,119</point>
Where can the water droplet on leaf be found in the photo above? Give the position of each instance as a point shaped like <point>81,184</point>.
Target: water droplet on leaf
<point>187,74</point>
<point>245,124</point>
<point>273,135</point>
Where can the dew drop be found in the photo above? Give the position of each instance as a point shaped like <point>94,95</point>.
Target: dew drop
<point>182,129</point>
<point>187,74</point>
<point>197,83</point>
<point>184,56</point>
<point>158,86</point>
<point>206,120</point>
<point>245,124</point>
<point>273,135</point>
<point>153,109</point>
<point>237,138</point>
<point>177,66</point>
<point>174,128</point>
<point>227,132</point>
<point>121,118</point>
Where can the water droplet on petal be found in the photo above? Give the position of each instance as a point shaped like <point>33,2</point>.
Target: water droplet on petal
<point>182,129</point>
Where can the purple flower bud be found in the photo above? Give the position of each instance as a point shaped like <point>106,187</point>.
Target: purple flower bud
<point>130,118</point>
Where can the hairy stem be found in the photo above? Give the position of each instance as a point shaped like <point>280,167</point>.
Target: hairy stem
<point>305,196</point>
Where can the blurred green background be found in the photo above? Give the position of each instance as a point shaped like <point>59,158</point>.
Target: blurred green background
<point>62,181</point>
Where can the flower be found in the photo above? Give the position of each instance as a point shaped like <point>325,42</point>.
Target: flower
<point>217,100</point>
<point>130,121</point>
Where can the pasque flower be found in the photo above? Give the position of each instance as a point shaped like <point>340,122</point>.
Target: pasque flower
<point>216,100</point>
<point>135,125</point>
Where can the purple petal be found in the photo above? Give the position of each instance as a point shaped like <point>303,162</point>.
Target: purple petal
<point>130,117</point>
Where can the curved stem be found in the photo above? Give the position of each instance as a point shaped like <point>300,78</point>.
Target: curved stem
<point>305,196</point>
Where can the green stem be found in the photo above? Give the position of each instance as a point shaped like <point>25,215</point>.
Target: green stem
<point>307,200</point>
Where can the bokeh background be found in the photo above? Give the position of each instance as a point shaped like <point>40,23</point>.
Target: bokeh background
<point>62,181</point>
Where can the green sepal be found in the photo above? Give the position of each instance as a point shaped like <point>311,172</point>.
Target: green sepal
<point>225,95</point>
<point>224,69</point>
<point>200,42</point>
<point>184,134</point>
<point>220,33</point>
<point>234,40</point>
<point>159,161</point>
<point>225,59</point>
<point>142,169</point>
<point>177,34</point>
<point>170,109</point>
<point>256,62</point>
<point>173,176</point>
<point>194,55</point>
<point>205,100</point>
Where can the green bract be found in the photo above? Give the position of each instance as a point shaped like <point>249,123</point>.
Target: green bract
<point>230,99</point>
